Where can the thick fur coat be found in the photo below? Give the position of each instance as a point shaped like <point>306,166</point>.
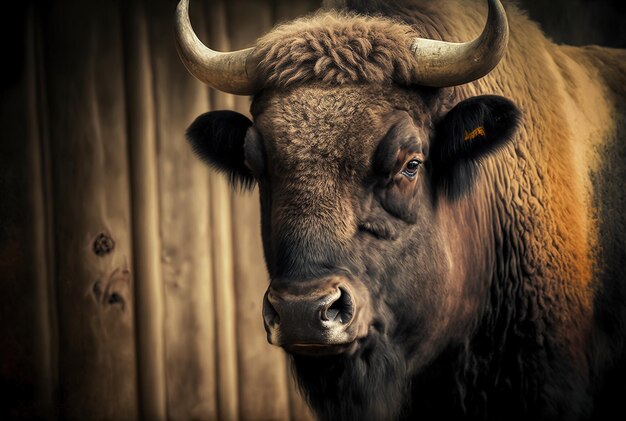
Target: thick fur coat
<point>538,329</point>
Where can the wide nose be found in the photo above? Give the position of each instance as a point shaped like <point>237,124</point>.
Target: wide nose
<point>308,314</point>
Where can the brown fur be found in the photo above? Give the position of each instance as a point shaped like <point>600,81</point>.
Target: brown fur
<point>336,48</point>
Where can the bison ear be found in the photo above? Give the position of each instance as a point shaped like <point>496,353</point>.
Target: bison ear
<point>472,130</point>
<point>217,137</point>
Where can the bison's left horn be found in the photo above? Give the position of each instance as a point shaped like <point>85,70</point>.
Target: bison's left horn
<point>232,72</point>
<point>442,63</point>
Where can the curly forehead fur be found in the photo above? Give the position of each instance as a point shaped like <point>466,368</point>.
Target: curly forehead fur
<point>336,48</point>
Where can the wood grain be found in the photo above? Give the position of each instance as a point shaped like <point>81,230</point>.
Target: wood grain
<point>27,348</point>
<point>90,186</point>
<point>221,238</point>
<point>145,216</point>
<point>185,226</point>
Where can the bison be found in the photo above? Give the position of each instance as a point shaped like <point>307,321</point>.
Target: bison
<point>442,219</point>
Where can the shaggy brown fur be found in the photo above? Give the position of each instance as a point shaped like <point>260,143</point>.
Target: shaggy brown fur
<point>336,48</point>
<point>544,187</point>
<point>528,268</point>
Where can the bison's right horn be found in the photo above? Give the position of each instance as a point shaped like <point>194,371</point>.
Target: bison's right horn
<point>443,64</point>
<point>232,72</point>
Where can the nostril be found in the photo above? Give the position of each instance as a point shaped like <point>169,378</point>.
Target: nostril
<point>270,315</point>
<point>340,310</point>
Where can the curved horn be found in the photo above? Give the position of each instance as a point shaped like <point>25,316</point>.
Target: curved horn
<point>441,64</point>
<point>229,72</point>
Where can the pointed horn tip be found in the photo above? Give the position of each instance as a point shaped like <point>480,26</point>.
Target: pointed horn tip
<point>230,72</point>
<point>498,23</point>
<point>182,10</point>
<point>182,4</point>
<point>445,64</point>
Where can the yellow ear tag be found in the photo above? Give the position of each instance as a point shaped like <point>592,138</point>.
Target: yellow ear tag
<point>478,131</point>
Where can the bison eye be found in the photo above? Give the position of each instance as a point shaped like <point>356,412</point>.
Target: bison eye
<point>411,167</point>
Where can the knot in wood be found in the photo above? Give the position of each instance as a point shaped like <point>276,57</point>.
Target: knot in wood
<point>103,244</point>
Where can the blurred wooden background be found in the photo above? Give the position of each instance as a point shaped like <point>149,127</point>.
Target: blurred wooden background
<point>131,276</point>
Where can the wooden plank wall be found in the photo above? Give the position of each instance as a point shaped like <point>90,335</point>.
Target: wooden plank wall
<point>83,83</point>
<point>132,275</point>
<point>27,348</point>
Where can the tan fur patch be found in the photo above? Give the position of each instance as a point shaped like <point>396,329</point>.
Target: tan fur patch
<point>478,131</point>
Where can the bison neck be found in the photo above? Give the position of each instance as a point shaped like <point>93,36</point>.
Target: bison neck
<point>527,350</point>
<point>372,386</point>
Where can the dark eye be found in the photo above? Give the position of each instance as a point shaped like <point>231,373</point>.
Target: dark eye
<point>411,167</point>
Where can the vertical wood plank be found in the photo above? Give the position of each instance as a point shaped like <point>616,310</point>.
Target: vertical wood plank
<point>145,222</point>
<point>184,225</point>
<point>27,343</point>
<point>42,223</point>
<point>226,341</point>
<point>89,171</point>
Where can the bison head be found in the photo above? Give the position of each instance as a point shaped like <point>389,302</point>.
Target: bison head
<point>367,164</point>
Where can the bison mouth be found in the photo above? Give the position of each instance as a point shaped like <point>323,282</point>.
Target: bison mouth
<point>321,350</point>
